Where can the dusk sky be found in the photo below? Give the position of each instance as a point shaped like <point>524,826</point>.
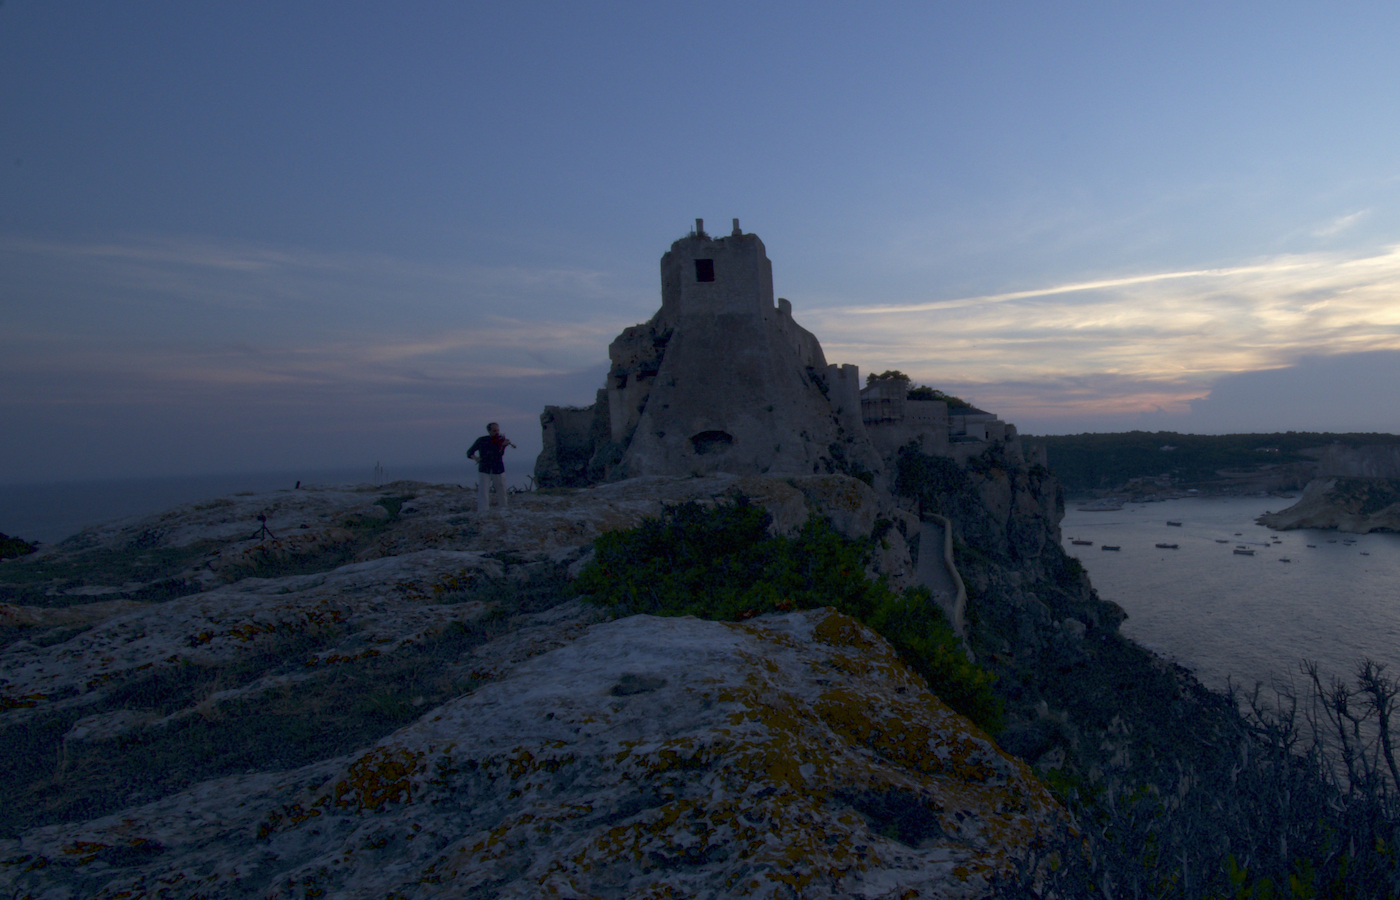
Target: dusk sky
<point>252,236</point>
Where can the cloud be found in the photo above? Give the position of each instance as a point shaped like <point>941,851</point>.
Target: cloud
<point>150,356</point>
<point>1341,223</point>
<point>1343,393</point>
<point>1171,335</point>
<point>240,276</point>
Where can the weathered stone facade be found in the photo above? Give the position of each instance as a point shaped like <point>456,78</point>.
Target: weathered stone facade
<point>721,379</point>
<point>892,421</point>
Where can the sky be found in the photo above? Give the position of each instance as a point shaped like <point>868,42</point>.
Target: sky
<point>261,236</point>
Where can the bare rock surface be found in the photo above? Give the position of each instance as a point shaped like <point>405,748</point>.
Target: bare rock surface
<point>1354,505</point>
<point>177,690</point>
<point>791,755</point>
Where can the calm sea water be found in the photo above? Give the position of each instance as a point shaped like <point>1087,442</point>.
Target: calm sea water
<point>51,512</point>
<point>1246,618</point>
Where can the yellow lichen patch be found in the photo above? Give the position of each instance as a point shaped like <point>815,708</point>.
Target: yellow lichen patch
<point>249,630</point>
<point>18,701</point>
<point>905,734</point>
<point>379,777</point>
<point>290,815</point>
<point>841,630</point>
<point>336,657</point>
<point>520,762</point>
<point>86,851</point>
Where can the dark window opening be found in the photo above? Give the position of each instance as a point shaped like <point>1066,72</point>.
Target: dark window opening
<point>711,441</point>
<point>704,270</point>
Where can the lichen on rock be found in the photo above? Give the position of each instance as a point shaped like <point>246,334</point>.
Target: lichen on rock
<point>790,755</point>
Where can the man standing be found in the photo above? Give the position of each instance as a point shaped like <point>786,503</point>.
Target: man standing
<point>489,454</point>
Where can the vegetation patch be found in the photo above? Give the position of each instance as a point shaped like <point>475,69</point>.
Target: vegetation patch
<point>1365,496</point>
<point>1092,461</point>
<point>917,391</point>
<point>13,547</point>
<point>43,580</point>
<point>720,562</point>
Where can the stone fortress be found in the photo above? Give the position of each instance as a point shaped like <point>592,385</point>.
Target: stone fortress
<point>722,379</point>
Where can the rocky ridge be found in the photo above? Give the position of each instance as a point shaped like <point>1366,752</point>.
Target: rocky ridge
<point>400,700</point>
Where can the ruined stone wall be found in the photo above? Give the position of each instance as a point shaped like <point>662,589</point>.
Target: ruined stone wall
<point>571,438</point>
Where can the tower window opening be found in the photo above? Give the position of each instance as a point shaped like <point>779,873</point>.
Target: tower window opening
<point>704,270</point>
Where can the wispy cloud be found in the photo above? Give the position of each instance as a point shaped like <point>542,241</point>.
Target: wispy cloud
<point>1175,330</point>
<point>314,333</point>
<point>234,274</point>
<point>1341,223</point>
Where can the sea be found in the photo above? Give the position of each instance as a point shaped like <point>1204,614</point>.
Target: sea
<point>48,513</point>
<point>1309,594</point>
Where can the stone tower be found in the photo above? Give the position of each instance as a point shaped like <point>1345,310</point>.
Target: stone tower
<point>720,379</point>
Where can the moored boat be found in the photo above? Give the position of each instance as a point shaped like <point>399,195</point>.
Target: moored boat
<point>1168,546</point>
<point>1082,543</point>
<point>1240,551</point>
<point>1177,524</point>
<point>1110,547</point>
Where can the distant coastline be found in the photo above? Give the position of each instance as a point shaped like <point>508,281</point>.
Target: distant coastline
<point>1145,467</point>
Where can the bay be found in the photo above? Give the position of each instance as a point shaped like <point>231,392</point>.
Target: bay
<point>1244,618</point>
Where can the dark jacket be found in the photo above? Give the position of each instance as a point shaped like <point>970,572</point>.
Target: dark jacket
<point>492,451</point>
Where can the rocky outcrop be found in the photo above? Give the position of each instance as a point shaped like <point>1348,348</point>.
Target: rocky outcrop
<point>421,723</point>
<point>1351,505</point>
<point>721,379</point>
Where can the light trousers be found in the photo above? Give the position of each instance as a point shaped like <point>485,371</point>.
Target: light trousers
<point>483,491</point>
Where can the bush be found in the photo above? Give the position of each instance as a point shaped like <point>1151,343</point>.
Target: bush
<point>918,629</point>
<point>924,392</point>
<point>720,562</point>
<point>11,547</point>
<point>1296,803</point>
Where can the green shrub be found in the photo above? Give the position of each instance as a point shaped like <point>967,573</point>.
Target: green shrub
<point>917,628</point>
<point>924,392</point>
<point>12,547</point>
<point>720,562</point>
